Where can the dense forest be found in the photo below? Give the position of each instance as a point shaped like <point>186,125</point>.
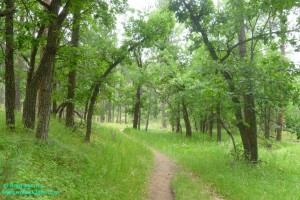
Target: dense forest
<point>226,69</point>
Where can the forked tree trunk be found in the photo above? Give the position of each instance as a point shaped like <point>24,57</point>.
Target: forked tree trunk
<point>9,67</point>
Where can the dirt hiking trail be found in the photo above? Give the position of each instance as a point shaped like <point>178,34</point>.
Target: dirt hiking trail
<point>161,179</point>
<point>160,183</point>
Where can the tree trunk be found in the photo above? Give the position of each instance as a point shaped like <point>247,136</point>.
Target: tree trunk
<point>137,107</point>
<point>46,68</point>
<point>279,125</point>
<point>249,137</point>
<point>91,111</point>
<point>9,67</point>
<point>18,103</point>
<point>163,115</point>
<point>125,114</point>
<point>211,124</point>
<point>140,119</point>
<point>187,122</point>
<point>219,125</point>
<point>177,119</point>
<point>267,119</point>
<point>72,74</point>
<point>31,89</point>
<point>54,102</point>
<point>147,120</point>
<point>120,114</point>
<point>45,108</point>
<point>283,28</point>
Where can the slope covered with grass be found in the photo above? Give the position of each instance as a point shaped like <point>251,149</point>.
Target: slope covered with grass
<point>110,167</point>
<point>276,177</point>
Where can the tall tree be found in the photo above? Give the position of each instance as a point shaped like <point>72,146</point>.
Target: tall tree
<point>72,74</point>
<point>9,65</point>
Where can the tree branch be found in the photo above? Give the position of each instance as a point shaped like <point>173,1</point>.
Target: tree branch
<point>7,11</point>
<point>44,4</point>
<point>230,49</point>
<point>64,13</point>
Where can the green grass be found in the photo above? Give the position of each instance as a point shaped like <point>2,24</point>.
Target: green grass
<point>182,185</point>
<point>110,167</point>
<point>276,177</point>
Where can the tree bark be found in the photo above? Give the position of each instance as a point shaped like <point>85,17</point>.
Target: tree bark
<point>30,94</point>
<point>137,107</point>
<point>91,111</point>
<point>72,74</point>
<point>58,15</point>
<point>211,124</point>
<point>219,125</point>
<point>46,68</point>
<point>45,108</point>
<point>187,122</point>
<point>10,94</point>
<point>250,135</point>
<point>163,115</point>
<point>279,125</point>
<point>147,120</point>
<point>283,28</point>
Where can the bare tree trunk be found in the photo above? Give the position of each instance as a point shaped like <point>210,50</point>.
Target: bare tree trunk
<point>9,67</point>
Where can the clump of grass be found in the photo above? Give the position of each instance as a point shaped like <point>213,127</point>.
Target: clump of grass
<point>110,167</point>
<point>276,177</point>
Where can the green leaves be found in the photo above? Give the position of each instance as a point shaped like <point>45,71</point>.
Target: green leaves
<point>150,28</point>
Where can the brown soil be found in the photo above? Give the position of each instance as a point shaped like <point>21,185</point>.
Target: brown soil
<point>160,182</point>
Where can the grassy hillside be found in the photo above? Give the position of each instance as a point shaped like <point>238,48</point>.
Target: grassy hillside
<point>275,177</point>
<point>110,167</point>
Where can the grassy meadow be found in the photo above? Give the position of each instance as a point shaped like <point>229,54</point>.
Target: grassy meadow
<point>275,177</point>
<point>110,167</point>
